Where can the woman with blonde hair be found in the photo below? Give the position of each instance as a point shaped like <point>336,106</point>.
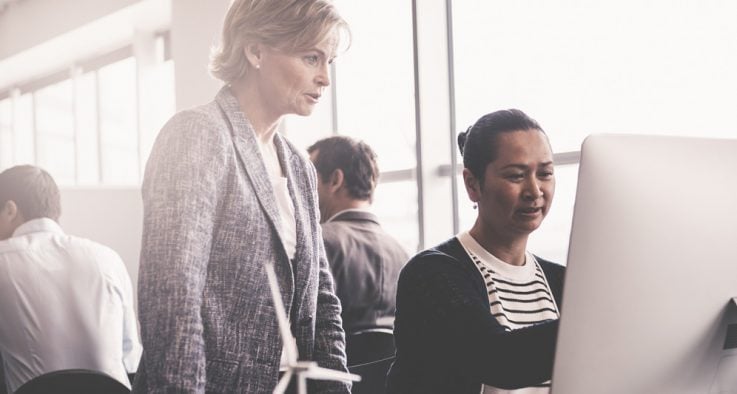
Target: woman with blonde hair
<point>224,194</point>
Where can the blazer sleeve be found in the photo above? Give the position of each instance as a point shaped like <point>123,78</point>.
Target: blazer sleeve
<point>329,334</point>
<point>180,197</point>
<point>445,302</point>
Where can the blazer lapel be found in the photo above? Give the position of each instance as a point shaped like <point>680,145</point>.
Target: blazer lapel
<point>298,190</point>
<point>249,155</point>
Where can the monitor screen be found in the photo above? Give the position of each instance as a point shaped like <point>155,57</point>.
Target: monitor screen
<point>652,269</point>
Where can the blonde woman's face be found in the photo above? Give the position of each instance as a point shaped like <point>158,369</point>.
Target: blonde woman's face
<point>293,83</point>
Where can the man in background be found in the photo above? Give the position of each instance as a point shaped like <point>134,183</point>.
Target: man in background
<point>65,302</point>
<point>364,259</point>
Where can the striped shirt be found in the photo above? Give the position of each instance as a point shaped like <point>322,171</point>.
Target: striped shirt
<point>519,296</point>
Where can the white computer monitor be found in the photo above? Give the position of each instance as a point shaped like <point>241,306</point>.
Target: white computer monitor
<point>652,269</point>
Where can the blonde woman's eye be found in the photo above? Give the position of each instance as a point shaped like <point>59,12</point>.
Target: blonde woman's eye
<point>312,59</point>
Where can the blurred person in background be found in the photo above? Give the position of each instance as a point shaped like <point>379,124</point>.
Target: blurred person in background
<point>65,302</point>
<point>364,259</point>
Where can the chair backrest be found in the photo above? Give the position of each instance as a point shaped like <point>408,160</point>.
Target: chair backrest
<point>369,345</point>
<point>3,389</point>
<point>373,376</point>
<point>78,381</point>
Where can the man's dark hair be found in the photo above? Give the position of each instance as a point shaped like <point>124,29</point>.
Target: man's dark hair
<point>478,143</point>
<point>355,158</point>
<point>33,190</point>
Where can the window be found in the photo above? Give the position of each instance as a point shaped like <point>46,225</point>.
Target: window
<point>581,68</point>
<point>88,158</point>
<point>54,115</point>
<point>156,104</point>
<point>396,203</point>
<point>23,130</point>
<point>91,125</point>
<point>6,134</point>
<point>118,128</point>
<point>375,103</point>
<point>375,81</point>
<point>373,89</point>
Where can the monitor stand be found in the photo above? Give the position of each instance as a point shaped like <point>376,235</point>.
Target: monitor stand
<point>725,380</point>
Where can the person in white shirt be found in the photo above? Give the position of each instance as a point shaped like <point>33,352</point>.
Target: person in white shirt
<point>65,302</point>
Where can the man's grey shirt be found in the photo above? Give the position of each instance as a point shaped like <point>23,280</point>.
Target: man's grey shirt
<point>365,262</point>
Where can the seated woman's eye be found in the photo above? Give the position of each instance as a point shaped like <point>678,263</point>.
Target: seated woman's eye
<point>546,174</point>
<point>516,177</point>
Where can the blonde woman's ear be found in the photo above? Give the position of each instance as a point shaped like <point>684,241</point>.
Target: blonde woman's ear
<point>254,54</point>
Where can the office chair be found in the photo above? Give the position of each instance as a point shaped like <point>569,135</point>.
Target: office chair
<point>373,376</point>
<point>369,345</point>
<point>78,381</point>
<point>3,390</point>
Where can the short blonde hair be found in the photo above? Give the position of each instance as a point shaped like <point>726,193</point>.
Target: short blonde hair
<point>289,25</point>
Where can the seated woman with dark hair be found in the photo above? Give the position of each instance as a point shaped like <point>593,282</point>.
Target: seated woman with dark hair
<point>478,313</point>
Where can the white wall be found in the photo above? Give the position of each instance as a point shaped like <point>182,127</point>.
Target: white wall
<point>35,41</point>
<point>112,217</point>
<point>28,23</point>
<point>195,27</point>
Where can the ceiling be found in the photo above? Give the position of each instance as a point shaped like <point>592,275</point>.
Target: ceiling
<point>5,3</point>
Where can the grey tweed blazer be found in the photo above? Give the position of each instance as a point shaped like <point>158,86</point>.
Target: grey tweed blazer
<point>210,224</point>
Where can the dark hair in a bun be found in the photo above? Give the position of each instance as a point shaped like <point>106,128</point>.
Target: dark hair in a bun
<point>462,137</point>
<point>478,142</point>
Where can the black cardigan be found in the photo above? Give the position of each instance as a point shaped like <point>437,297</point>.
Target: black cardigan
<point>448,341</point>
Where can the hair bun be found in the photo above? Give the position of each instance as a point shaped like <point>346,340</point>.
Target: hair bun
<point>462,137</point>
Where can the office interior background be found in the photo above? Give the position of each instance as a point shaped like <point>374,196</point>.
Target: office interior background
<point>85,86</point>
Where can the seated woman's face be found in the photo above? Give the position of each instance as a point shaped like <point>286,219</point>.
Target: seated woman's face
<point>519,185</point>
